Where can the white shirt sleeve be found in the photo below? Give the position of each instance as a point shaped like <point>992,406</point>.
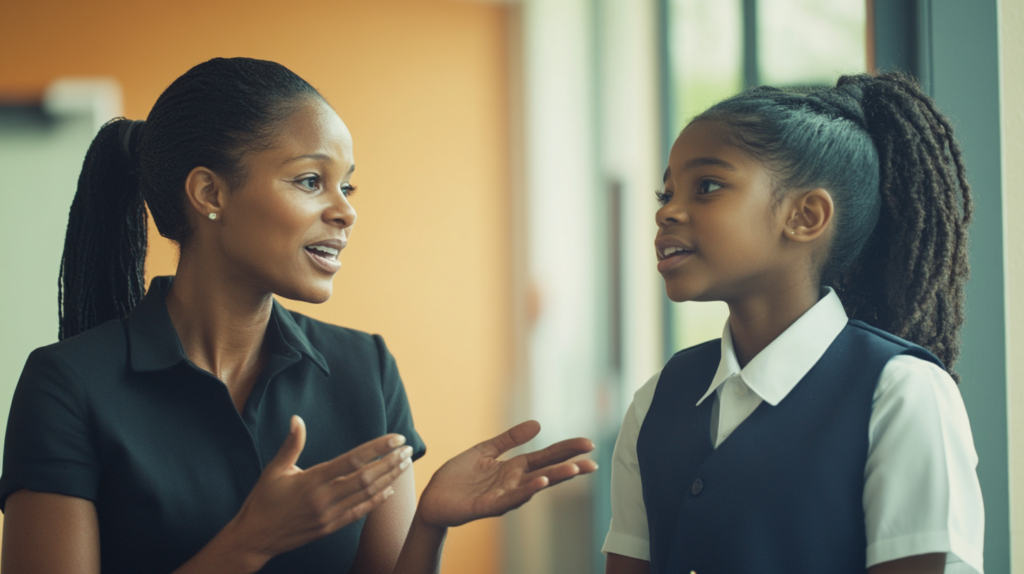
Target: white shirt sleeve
<point>921,490</point>
<point>627,534</point>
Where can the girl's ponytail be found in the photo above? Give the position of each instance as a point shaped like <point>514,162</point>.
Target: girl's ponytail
<point>909,279</point>
<point>101,271</point>
<point>887,156</point>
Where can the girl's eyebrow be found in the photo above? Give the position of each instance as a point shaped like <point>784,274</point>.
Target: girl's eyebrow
<point>706,161</point>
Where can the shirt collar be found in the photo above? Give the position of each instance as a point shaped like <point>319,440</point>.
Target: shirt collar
<point>155,346</point>
<point>774,372</point>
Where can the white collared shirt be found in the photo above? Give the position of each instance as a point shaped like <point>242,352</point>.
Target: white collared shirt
<point>921,491</point>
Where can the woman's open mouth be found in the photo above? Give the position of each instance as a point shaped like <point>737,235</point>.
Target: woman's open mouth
<point>325,257</point>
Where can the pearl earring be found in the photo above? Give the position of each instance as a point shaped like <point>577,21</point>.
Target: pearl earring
<point>213,216</point>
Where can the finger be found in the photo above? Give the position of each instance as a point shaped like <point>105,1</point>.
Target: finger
<point>558,452</point>
<point>293,444</point>
<point>374,477</point>
<point>517,497</point>
<point>520,434</point>
<point>562,472</point>
<point>358,457</point>
<point>349,511</point>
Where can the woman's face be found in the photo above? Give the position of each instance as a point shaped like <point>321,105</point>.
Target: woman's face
<point>284,229</point>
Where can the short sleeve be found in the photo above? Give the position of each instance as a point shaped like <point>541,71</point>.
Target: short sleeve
<point>627,533</point>
<point>396,403</point>
<point>921,490</point>
<point>48,446</point>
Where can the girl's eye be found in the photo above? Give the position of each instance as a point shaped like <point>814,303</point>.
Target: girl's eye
<point>663,196</point>
<point>348,190</point>
<point>707,186</point>
<point>310,183</point>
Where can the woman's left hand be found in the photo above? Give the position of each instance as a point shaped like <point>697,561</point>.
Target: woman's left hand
<point>475,484</point>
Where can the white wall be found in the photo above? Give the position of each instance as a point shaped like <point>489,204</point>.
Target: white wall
<point>1011,72</point>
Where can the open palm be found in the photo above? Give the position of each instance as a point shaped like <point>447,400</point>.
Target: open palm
<point>476,484</point>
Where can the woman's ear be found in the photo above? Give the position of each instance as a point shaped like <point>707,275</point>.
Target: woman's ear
<point>205,191</point>
<point>810,215</point>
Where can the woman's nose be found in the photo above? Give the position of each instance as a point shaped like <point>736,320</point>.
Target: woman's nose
<point>340,213</point>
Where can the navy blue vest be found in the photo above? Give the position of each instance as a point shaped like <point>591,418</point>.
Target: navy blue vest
<point>784,492</point>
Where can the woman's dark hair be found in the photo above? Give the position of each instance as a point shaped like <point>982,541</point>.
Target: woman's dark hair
<point>888,158</point>
<point>211,116</point>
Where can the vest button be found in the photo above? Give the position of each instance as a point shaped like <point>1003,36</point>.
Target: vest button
<point>696,487</point>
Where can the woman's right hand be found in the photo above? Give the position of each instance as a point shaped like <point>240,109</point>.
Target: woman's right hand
<point>290,507</point>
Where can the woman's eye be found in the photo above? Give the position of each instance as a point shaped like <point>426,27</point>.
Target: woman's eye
<point>311,183</point>
<point>348,190</point>
<point>663,196</point>
<point>708,186</point>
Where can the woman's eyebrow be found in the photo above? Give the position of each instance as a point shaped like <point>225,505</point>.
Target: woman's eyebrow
<point>318,157</point>
<point>706,161</point>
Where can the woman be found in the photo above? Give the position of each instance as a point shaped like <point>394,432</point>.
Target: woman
<point>147,439</point>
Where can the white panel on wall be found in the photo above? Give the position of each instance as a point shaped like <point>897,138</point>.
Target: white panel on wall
<point>41,153</point>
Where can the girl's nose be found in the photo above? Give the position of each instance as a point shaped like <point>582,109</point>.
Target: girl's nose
<point>672,213</point>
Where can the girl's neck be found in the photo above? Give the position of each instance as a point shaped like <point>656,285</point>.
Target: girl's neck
<point>221,322</point>
<point>758,319</point>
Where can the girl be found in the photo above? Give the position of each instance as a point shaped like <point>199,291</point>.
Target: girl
<point>823,432</point>
<point>147,439</point>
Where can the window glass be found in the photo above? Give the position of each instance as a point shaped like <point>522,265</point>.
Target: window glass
<point>796,44</point>
<point>803,43</point>
<point>706,65</point>
<point>705,55</point>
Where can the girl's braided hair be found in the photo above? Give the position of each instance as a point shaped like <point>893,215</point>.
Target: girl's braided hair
<point>888,158</point>
<point>211,116</point>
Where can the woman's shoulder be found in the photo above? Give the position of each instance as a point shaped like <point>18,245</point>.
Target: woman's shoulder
<point>327,337</point>
<point>96,355</point>
<point>103,344</point>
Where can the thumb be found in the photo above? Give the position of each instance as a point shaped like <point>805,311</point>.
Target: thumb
<point>293,444</point>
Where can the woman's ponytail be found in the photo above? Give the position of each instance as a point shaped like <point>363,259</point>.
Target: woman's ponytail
<point>101,271</point>
<point>211,116</point>
<point>909,280</point>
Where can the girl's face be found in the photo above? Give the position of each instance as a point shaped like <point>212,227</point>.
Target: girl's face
<point>283,231</point>
<point>719,232</point>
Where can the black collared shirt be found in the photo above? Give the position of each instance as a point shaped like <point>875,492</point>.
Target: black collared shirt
<point>118,415</point>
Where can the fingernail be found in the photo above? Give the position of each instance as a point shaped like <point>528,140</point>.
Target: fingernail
<point>396,441</point>
<point>388,492</point>
<point>405,464</point>
<point>596,466</point>
<point>406,452</point>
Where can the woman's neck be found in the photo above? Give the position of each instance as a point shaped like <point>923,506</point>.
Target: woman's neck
<point>221,323</point>
<point>758,319</point>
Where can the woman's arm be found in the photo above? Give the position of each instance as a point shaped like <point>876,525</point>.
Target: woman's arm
<point>287,508</point>
<point>934,563</point>
<point>476,484</point>
<point>473,485</point>
<point>619,564</point>
<point>386,528</point>
<point>46,532</point>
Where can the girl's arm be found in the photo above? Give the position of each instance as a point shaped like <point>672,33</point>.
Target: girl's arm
<point>934,563</point>
<point>619,564</point>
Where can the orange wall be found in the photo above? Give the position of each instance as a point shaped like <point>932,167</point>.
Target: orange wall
<point>422,86</point>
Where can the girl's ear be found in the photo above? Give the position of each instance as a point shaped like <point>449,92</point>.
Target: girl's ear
<point>810,215</point>
<point>205,191</point>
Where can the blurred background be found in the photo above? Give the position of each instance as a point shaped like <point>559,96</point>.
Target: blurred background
<point>508,156</point>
